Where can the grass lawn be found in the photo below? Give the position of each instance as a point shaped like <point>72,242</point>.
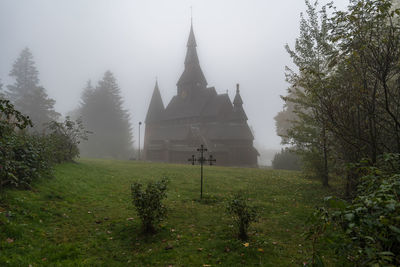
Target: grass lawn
<point>84,217</point>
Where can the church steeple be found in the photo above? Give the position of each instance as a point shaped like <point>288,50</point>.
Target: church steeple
<point>192,78</point>
<point>156,107</point>
<point>238,110</point>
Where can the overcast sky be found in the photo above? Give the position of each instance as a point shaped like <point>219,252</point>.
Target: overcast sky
<point>239,41</point>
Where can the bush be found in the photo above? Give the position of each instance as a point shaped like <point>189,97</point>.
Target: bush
<point>22,156</point>
<point>370,224</point>
<point>243,214</point>
<point>286,160</point>
<point>64,138</point>
<point>25,156</point>
<point>148,203</point>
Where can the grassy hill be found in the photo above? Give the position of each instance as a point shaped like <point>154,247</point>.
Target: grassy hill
<point>84,216</point>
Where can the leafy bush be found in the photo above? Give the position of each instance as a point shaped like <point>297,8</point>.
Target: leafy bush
<point>148,203</point>
<point>286,160</point>
<point>64,138</point>
<point>22,157</point>
<point>370,224</point>
<point>243,214</point>
<point>25,156</point>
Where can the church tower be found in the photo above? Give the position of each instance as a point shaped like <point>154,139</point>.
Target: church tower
<point>192,79</point>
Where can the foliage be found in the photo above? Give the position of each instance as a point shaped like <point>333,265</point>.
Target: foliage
<point>370,225</point>
<point>27,95</point>
<point>64,138</point>
<point>286,160</point>
<point>103,114</point>
<point>22,156</point>
<point>307,128</point>
<point>345,94</point>
<point>148,203</point>
<point>243,214</point>
<point>25,156</point>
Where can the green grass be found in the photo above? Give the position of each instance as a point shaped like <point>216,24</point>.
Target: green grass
<point>80,217</point>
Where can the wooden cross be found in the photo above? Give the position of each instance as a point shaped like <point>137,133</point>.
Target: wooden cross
<point>192,159</point>
<point>211,160</point>
<point>202,159</point>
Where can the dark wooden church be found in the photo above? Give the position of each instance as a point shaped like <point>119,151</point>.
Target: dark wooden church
<point>198,115</point>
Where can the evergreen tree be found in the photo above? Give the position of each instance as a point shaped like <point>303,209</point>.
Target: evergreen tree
<point>102,113</point>
<point>26,93</point>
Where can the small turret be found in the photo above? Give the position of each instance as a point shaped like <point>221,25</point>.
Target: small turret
<point>238,110</point>
<point>156,107</point>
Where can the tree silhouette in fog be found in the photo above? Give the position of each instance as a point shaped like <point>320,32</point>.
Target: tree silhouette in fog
<point>102,113</point>
<point>27,95</point>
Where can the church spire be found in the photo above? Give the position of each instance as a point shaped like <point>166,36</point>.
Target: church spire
<point>238,110</point>
<point>156,107</point>
<point>192,77</point>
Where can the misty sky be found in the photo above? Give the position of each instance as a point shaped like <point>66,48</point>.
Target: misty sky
<point>239,41</point>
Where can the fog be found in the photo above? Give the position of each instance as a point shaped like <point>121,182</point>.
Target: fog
<point>238,42</point>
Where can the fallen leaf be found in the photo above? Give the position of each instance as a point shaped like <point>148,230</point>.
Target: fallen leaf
<point>10,240</point>
<point>129,219</point>
<point>206,265</point>
<point>274,242</point>
<point>246,244</point>
<point>200,249</point>
<point>260,250</point>
<point>44,259</point>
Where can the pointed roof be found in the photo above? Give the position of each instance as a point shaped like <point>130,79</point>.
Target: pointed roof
<point>238,99</point>
<point>192,75</point>
<point>156,107</point>
<point>238,111</point>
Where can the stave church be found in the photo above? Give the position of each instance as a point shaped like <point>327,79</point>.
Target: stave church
<point>197,115</point>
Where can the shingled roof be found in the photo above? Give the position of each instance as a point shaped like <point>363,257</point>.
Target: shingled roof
<point>156,107</point>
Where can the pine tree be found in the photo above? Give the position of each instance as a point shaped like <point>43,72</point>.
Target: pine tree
<point>27,95</point>
<point>102,113</point>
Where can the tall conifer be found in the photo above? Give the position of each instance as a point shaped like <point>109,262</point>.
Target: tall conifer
<point>102,113</point>
<point>27,95</point>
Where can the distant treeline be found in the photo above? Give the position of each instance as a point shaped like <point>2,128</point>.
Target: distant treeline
<point>100,111</point>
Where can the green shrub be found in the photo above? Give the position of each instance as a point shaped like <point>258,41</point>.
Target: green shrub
<point>370,224</point>
<point>148,203</point>
<point>243,214</point>
<point>286,160</point>
<point>22,157</point>
<point>25,156</point>
<point>64,138</point>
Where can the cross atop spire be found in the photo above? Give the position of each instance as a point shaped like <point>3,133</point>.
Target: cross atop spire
<point>191,15</point>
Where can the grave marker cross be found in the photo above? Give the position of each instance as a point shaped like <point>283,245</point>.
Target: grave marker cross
<point>202,159</point>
